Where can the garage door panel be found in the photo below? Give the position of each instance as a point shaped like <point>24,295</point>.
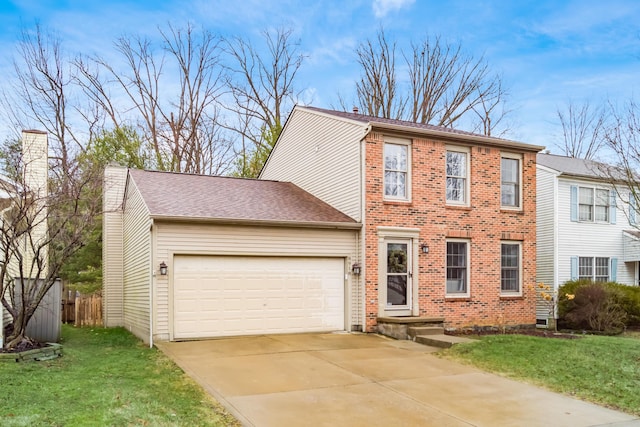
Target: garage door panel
<point>224,296</point>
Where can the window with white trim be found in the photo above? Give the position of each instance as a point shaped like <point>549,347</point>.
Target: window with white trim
<point>457,176</point>
<point>396,171</point>
<point>594,268</point>
<point>593,204</point>
<point>457,268</point>
<point>510,263</point>
<point>510,177</point>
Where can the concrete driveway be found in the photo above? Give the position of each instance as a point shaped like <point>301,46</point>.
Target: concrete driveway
<point>368,380</point>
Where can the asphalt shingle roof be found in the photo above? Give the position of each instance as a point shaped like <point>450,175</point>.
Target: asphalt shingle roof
<point>577,167</point>
<point>365,119</point>
<point>190,196</point>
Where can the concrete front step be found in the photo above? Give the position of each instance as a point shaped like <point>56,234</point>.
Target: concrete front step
<point>440,340</point>
<point>414,331</point>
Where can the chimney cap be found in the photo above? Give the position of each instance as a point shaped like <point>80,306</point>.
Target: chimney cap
<point>355,110</point>
<point>40,132</point>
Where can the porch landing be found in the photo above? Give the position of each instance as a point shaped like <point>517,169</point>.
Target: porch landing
<point>423,330</point>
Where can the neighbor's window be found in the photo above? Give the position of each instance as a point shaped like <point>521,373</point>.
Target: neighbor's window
<point>510,268</point>
<point>602,205</point>
<point>396,171</point>
<point>510,182</point>
<point>456,170</point>
<point>585,204</point>
<point>457,268</point>
<point>586,268</point>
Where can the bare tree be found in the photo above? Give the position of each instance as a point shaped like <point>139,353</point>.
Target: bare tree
<point>179,122</point>
<point>445,86</point>
<point>40,94</point>
<point>377,89</point>
<point>583,129</point>
<point>41,229</point>
<point>263,87</point>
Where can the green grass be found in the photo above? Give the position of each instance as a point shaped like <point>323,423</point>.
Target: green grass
<point>106,377</point>
<point>603,370</point>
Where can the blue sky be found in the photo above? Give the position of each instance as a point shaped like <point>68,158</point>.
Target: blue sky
<point>548,51</point>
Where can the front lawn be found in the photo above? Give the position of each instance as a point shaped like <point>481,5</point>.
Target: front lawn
<point>106,377</point>
<point>600,369</point>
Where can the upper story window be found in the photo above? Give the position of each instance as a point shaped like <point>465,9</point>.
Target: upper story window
<point>457,176</point>
<point>589,204</point>
<point>396,171</point>
<point>510,177</point>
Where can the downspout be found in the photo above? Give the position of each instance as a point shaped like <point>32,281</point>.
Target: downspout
<point>363,229</point>
<point>151,280</point>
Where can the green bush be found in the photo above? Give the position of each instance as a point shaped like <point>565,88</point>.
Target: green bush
<point>630,302</point>
<point>596,306</point>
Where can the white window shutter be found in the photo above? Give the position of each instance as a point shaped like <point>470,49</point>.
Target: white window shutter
<point>632,209</point>
<point>612,207</point>
<point>574,268</point>
<point>574,203</point>
<point>613,274</point>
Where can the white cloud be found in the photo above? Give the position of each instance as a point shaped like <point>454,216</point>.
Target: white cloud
<point>382,7</point>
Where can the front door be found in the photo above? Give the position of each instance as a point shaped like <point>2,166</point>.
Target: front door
<point>398,274</point>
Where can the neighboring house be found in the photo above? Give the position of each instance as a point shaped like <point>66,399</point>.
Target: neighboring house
<point>193,256</point>
<point>45,324</point>
<point>448,217</point>
<point>586,228</point>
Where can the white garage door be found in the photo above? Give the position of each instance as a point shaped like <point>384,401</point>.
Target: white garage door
<point>232,295</point>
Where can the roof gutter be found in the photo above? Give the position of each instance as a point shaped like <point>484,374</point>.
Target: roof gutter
<point>266,223</point>
<point>472,139</point>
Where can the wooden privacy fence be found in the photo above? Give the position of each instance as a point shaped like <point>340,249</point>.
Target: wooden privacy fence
<point>87,310</point>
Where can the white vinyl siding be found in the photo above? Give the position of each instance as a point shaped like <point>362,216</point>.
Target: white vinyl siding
<point>136,256</point>
<point>112,245</point>
<point>587,239</point>
<point>174,239</point>
<point>320,154</point>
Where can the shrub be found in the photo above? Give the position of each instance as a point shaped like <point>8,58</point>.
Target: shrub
<point>630,302</point>
<point>595,306</point>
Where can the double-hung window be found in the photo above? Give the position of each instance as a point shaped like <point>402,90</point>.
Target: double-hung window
<point>396,171</point>
<point>457,268</point>
<point>510,167</point>
<point>594,268</point>
<point>510,269</point>
<point>457,177</point>
<point>593,204</point>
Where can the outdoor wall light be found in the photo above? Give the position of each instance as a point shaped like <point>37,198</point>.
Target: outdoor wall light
<point>424,248</point>
<point>355,268</point>
<point>163,269</point>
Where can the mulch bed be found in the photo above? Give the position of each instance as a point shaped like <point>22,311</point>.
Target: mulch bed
<point>24,346</point>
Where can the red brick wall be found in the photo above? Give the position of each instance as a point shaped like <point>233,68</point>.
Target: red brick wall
<point>484,223</point>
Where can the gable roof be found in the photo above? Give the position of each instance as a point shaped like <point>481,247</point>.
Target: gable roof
<point>425,129</point>
<point>180,196</point>
<point>572,166</point>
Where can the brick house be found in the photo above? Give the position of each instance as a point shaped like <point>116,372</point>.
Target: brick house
<point>448,217</point>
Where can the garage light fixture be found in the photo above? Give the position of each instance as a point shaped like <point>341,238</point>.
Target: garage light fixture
<point>355,268</point>
<point>163,269</point>
<point>424,248</point>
